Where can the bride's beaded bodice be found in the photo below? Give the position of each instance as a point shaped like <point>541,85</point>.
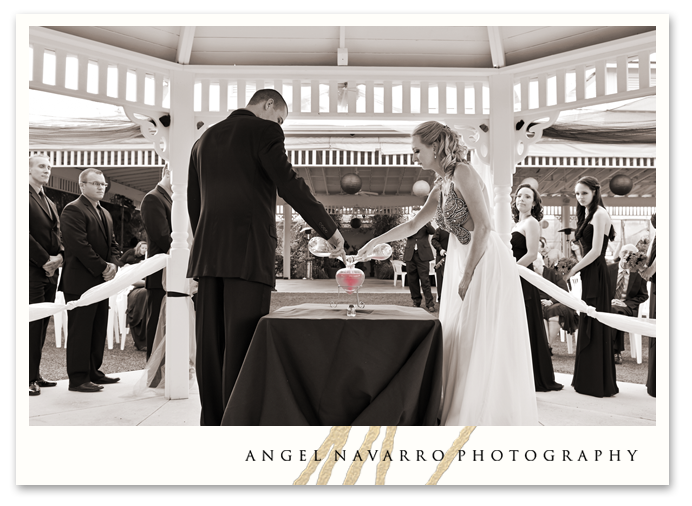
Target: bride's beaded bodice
<point>453,215</point>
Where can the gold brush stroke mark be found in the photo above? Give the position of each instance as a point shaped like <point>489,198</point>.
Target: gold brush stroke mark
<point>387,446</point>
<point>335,434</point>
<point>459,442</point>
<point>354,471</point>
<point>341,435</point>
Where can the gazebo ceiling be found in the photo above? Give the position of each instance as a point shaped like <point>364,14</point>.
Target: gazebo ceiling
<point>384,46</point>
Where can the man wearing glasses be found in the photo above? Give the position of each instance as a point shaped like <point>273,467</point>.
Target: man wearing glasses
<point>91,254</point>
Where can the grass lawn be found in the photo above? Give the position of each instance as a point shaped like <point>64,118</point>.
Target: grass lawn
<point>129,359</point>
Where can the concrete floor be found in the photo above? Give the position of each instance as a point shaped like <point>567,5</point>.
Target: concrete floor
<point>118,405</point>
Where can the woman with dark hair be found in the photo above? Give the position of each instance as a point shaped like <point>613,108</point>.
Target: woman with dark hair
<point>527,212</point>
<point>594,365</point>
<point>650,274</point>
<point>487,373</point>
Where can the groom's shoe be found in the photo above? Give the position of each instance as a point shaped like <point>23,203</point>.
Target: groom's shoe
<point>85,387</point>
<point>416,304</point>
<point>618,359</point>
<point>34,389</point>
<point>106,380</point>
<point>431,308</point>
<point>45,383</point>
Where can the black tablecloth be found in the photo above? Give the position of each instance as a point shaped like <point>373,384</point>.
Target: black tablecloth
<point>313,365</point>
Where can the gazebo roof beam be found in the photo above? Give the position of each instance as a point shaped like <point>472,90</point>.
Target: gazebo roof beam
<point>497,50</point>
<point>187,37</point>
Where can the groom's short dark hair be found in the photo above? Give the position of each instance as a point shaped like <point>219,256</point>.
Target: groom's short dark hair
<point>264,95</point>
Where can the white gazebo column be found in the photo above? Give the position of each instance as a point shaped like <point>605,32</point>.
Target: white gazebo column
<point>288,217</point>
<point>502,150</point>
<point>181,137</point>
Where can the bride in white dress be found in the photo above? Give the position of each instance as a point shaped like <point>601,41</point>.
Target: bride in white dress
<point>487,370</point>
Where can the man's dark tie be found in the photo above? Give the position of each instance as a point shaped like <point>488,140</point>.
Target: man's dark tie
<point>44,200</point>
<point>103,218</point>
<point>621,285</point>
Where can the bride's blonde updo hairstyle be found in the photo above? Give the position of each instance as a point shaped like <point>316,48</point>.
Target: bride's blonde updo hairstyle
<point>450,150</point>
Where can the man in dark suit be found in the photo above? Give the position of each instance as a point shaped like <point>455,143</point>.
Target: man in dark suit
<point>629,290</point>
<point>45,257</point>
<point>417,255</point>
<point>440,241</point>
<point>91,254</point>
<point>156,215</point>
<point>236,168</point>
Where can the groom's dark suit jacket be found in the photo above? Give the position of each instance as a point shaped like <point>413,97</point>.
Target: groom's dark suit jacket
<point>236,168</point>
<point>156,215</point>
<point>88,246</point>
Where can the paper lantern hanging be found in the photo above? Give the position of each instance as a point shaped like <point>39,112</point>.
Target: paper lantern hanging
<point>621,185</point>
<point>351,183</point>
<point>421,188</point>
<point>356,223</point>
<point>544,224</point>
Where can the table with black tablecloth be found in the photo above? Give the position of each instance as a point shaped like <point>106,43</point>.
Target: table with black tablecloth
<point>313,365</point>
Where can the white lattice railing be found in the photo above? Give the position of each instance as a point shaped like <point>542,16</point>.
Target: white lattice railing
<point>604,73</point>
<point>85,69</point>
<point>588,161</point>
<point>126,157</point>
<point>607,72</point>
<point>347,93</point>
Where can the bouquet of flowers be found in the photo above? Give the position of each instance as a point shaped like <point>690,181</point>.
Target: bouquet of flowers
<point>635,261</point>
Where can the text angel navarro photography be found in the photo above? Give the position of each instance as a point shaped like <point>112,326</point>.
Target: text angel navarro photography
<point>549,455</point>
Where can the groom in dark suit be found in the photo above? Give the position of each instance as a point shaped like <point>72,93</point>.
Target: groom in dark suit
<point>45,257</point>
<point>91,254</point>
<point>629,291</point>
<point>156,215</point>
<point>236,168</point>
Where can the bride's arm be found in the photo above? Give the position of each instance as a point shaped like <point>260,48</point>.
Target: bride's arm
<point>469,183</point>
<point>425,215</point>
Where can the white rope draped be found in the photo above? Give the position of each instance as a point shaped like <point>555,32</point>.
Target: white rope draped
<point>616,321</point>
<point>124,278</point>
<point>128,276</point>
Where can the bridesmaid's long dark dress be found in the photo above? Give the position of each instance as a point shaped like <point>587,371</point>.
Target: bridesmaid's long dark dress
<point>543,374</point>
<point>651,378</point>
<point>594,365</point>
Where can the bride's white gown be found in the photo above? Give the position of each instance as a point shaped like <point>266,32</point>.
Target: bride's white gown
<point>487,369</point>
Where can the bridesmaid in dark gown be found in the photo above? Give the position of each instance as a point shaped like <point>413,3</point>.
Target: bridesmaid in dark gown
<point>594,366</point>
<point>650,273</point>
<point>527,212</point>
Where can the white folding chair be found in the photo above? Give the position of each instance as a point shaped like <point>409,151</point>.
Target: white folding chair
<point>432,272</point>
<point>60,321</point>
<point>399,270</point>
<point>636,339</point>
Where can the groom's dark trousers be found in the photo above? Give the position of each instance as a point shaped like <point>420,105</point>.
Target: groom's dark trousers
<point>236,169</point>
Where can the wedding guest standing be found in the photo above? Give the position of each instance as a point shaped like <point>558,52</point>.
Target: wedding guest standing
<point>156,215</point>
<point>594,365</point>
<point>91,254</point>
<point>527,212</point>
<point>236,168</point>
<point>440,241</point>
<point>650,274</point>
<point>417,255</point>
<point>629,291</point>
<point>45,258</point>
